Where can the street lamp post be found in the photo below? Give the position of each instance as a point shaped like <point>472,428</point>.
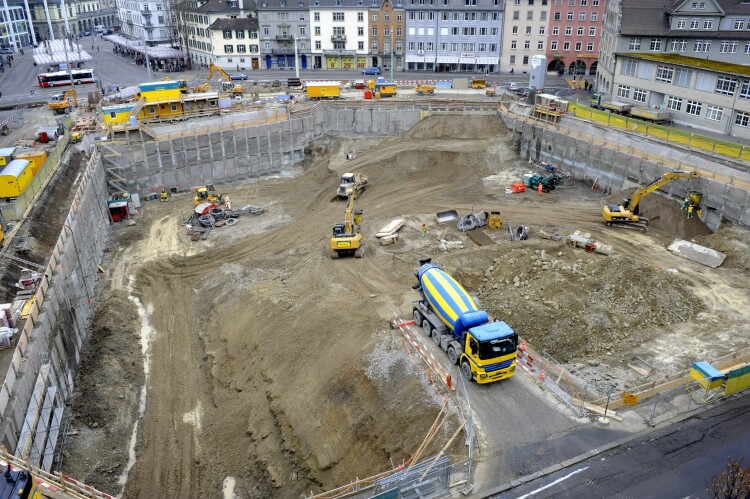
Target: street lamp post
<point>296,61</point>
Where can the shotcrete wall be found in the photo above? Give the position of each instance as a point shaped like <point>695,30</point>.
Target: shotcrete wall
<point>201,157</point>
<point>45,362</point>
<point>725,188</point>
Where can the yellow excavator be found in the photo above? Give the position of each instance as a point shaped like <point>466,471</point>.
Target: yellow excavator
<point>347,237</point>
<point>226,85</point>
<point>62,103</point>
<point>626,216</point>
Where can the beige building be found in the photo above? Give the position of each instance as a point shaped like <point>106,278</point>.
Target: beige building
<point>235,43</point>
<point>524,33</point>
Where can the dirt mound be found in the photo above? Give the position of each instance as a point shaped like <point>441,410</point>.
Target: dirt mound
<point>732,240</point>
<point>111,373</point>
<point>665,215</point>
<point>457,127</point>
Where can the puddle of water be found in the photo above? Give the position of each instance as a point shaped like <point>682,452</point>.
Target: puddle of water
<point>227,488</point>
<point>147,333</point>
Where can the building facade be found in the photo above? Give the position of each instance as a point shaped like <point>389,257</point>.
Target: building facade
<point>692,58</point>
<point>149,21</point>
<point>235,43</point>
<point>454,35</point>
<point>525,33</point>
<point>282,22</point>
<point>575,28</point>
<point>339,34</point>
<point>51,21</point>
<point>15,28</point>
<point>387,25</point>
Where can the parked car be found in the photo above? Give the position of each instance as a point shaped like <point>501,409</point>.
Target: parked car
<point>238,76</point>
<point>371,71</point>
<point>86,33</point>
<point>6,50</point>
<point>109,32</point>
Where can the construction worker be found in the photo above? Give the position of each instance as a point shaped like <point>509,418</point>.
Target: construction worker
<point>539,189</point>
<point>164,196</point>
<point>690,211</point>
<point>424,230</point>
<point>686,203</point>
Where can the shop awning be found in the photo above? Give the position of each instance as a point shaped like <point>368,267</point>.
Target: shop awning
<point>415,58</point>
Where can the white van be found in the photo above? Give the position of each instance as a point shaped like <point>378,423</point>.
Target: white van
<point>99,29</point>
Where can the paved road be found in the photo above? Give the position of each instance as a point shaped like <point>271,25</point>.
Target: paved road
<point>676,461</point>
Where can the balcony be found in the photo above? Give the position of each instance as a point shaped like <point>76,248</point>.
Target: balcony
<point>338,38</point>
<point>339,52</point>
<point>282,51</point>
<point>148,25</point>
<point>129,22</point>
<point>145,12</point>
<point>284,38</point>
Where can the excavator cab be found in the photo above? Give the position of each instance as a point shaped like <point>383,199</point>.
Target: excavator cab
<point>338,230</point>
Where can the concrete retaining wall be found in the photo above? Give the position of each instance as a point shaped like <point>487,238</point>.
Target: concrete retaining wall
<point>45,362</point>
<point>203,157</point>
<point>725,196</point>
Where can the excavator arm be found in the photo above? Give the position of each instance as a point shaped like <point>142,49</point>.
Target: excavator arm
<point>213,67</point>
<point>657,184</point>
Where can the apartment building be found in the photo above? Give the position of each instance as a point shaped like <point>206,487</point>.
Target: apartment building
<point>198,34</point>
<point>149,21</point>
<point>15,29</point>
<point>387,26</point>
<point>575,28</point>
<point>525,33</point>
<point>454,35</point>
<point>339,34</point>
<point>282,22</point>
<point>691,57</point>
<point>51,21</point>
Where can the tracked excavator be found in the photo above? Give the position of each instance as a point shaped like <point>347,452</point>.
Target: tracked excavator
<point>63,103</point>
<point>226,86</point>
<point>626,215</point>
<point>347,237</point>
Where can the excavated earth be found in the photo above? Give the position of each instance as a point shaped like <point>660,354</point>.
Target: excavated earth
<point>270,368</point>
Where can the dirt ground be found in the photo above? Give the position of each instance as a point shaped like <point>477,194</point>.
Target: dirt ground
<point>270,368</point>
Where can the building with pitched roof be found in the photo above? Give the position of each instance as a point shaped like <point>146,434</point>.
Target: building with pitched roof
<point>149,21</point>
<point>235,43</point>
<point>690,57</point>
<point>282,22</point>
<point>454,35</point>
<point>387,25</point>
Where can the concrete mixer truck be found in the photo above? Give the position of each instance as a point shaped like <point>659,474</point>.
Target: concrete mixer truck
<point>485,350</point>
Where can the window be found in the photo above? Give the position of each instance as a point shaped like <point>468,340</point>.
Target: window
<point>693,107</point>
<point>627,68</point>
<point>360,17</point>
<point>695,23</point>
<point>513,44</point>
<point>674,103</point>
<point>664,74</point>
<point>317,30</point>
<point>540,45</point>
<point>655,45</point>
<point>578,46</point>
<point>516,15</point>
<point>317,44</point>
<point>570,16</point>
<point>227,34</point>
<point>240,33</point>
<point>455,30</point>
<point>542,30</point>
<point>302,30</point>
<point>568,31</point>
<point>742,119</point>
<point>242,48</point>
<point>530,15</point>
<point>526,59</point>
<point>316,16</point>
<point>527,45</point>
<point>714,112</point>
<point>702,46</point>
<point>556,16</point>
<point>707,24</point>
<point>338,16</point>
<point>254,49</point>
<point>639,95</point>
<point>553,45</point>
<point>228,49</point>
<point>528,30</point>
<point>725,85</point>
<point>678,45</point>
<point>592,31</point>
<point>375,31</point>
<point>635,44</point>
<point>594,16</point>
<point>515,30</point>
<point>739,24</point>
<point>581,16</point>
<point>556,31</point>
<point>566,46</point>
<point>512,59</point>
<point>360,45</point>
<point>580,31</point>
<point>482,47</point>
<point>681,23</point>
<point>682,77</point>
<point>705,82</point>
<point>360,31</point>
<point>645,70</point>
<point>745,89</point>
<point>747,48</point>
<point>374,45</point>
<point>728,47</point>
<point>623,91</point>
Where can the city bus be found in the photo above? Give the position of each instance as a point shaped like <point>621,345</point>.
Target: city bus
<point>60,78</point>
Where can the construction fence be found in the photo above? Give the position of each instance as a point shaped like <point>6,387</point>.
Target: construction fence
<point>681,137</point>
<point>16,209</point>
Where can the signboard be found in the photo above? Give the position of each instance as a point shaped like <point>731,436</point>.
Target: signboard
<point>361,61</point>
<point>347,62</point>
<point>333,63</point>
<point>467,55</point>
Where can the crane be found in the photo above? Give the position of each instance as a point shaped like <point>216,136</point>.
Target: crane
<point>226,85</point>
<point>626,214</point>
<point>347,237</point>
<point>60,103</point>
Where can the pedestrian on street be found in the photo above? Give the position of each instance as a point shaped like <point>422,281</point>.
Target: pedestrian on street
<point>98,49</point>
<point>31,91</point>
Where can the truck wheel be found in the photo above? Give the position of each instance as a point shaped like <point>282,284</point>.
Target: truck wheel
<point>426,327</point>
<point>436,336</point>
<point>452,357</point>
<point>466,370</point>
<point>334,254</point>
<point>417,317</point>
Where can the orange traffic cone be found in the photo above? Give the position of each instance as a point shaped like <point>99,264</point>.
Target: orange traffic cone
<point>541,376</point>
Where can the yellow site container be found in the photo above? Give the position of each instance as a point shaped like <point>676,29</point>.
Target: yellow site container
<point>385,89</point>
<point>15,178</point>
<point>6,155</point>
<point>323,89</point>
<point>37,159</point>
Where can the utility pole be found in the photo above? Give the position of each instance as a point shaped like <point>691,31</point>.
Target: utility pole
<point>296,60</point>
<point>393,46</point>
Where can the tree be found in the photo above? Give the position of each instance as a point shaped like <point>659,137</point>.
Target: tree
<point>732,483</point>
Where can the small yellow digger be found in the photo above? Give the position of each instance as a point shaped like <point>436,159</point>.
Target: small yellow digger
<point>347,237</point>
<point>202,195</point>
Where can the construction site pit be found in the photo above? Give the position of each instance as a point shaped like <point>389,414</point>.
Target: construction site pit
<point>255,364</point>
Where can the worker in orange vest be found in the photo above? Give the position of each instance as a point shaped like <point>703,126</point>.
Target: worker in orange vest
<point>539,189</point>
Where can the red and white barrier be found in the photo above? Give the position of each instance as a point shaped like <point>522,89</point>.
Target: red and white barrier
<point>417,342</point>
